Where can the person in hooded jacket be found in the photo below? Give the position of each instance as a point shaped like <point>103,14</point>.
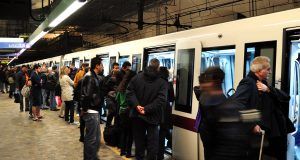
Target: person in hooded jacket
<point>146,95</point>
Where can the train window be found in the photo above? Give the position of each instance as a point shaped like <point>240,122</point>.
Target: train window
<point>136,62</point>
<point>165,55</point>
<point>223,57</point>
<point>123,59</point>
<point>267,49</point>
<point>184,80</point>
<point>105,62</point>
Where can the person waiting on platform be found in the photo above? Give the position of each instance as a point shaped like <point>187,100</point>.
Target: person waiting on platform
<point>146,95</point>
<point>36,92</point>
<point>91,100</point>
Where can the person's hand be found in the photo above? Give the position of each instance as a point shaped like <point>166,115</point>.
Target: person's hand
<point>262,87</point>
<point>256,129</point>
<point>140,109</point>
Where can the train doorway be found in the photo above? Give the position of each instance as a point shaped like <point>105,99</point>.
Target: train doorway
<point>291,85</point>
<point>166,57</point>
<point>223,57</point>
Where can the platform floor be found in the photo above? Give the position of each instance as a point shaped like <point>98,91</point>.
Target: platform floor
<point>52,138</point>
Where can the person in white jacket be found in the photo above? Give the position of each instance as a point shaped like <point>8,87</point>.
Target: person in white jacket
<point>66,85</point>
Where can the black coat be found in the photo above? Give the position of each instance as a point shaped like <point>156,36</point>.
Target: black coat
<point>147,89</point>
<point>272,115</point>
<point>20,80</point>
<point>91,94</point>
<point>36,89</point>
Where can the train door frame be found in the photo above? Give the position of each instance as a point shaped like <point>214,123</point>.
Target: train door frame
<point>258,46</point>
<point>286,75</point>
<point>183,123</point>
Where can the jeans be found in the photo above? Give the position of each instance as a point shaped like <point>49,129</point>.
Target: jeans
<point>92,136</point>
<point>44,95</point>
<point>69,109</point>
<point>145,134</point>
<point>52,100</point>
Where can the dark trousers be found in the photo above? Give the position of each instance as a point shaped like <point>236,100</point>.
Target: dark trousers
<point>82,127</point>
<point>126,135</point>
<point>208,144</point>
<point>110,117</point>
<point>164,132</point>
<point>69,109</point>
<point>277,148</point>
<point>92,136</point>
<point>145,133</point>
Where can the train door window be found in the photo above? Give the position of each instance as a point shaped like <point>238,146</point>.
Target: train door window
<point>105,62</point>
<point>184,80</point>
<point>123,59</point>
<point>223,57</point>
<point>267,49</point>
<point>136,62</point>
<point>165,55</point>
<point>76,62</point>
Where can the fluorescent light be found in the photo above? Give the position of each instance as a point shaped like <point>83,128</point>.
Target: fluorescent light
<point>66,13</point>
<point>21,51</point>
<point>12,60</point>
<point>11,40</point>
<point>39,36</point>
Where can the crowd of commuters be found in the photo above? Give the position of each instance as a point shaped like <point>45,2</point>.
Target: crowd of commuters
<point>140,105</point>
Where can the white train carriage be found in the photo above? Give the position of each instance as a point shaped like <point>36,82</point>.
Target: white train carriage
<point>231,46</point>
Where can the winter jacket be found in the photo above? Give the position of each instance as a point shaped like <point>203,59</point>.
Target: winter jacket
<point>21,80</point>
<point>91,91</point>
<point>148,90</point>
<point>79,75</point>
<point>66,85</point>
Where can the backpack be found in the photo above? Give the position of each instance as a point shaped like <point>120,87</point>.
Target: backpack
<point>111,135</point>
<point>25,91</point>
<point>51,82</point>
<point>10,80</point>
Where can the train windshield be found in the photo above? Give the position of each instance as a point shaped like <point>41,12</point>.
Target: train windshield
<point>224,58</point>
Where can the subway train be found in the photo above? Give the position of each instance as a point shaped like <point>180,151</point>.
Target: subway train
<point>232,46</point>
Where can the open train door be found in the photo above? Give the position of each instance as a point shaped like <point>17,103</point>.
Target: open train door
<point>291,84</point>
<point>186,143</point>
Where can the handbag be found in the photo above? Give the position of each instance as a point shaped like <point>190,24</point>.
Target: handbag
<point>25,91</point>
<point>58,100</point>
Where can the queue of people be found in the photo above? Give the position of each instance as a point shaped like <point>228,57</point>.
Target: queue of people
<point>140,106</point>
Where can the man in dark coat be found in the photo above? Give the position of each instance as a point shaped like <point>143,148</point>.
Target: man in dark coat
<point>36,91</point>
<point>21,79</point>
<point>146,95</point>
<point>254,92</point>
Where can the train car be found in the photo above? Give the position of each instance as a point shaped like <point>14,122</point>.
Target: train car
<point>231,46</point>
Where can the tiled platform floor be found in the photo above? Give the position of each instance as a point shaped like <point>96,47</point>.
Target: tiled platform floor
<point>50,139</point>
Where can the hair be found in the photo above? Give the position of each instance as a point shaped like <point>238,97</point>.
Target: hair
<point>115,64</point>
<point>154,64</point>
<point>126,64</point>
<point>212,74</point>
<point>84,65</point>
<point>36,66</point>
<point>259,63</point>
<point>164,72</point>
<point>63,70</point>
<point>95,61</point>
<point>54,67</point>
<point>24,66</point>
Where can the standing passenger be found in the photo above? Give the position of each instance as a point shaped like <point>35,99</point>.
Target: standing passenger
<point>36,91</point>
<point>21,79</point>
<point>255,93</point>
<point>66,85</point>
<point>146,95</point>
<point>90,96</point>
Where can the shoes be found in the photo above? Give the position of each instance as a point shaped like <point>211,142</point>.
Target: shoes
<point>81,139</point>
<point>31,116</point>
<point>26,110</point>
<point>55,109</point>
<point>61,116</point>
<point>129,156</point>
<point>122,153</point>
<point>40,117</point>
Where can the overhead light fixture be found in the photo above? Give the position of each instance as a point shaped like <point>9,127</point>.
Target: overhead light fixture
<point>66,13</point>
<point>39,36</point>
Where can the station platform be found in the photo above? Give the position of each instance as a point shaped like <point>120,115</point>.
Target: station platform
<point>52,138</point>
